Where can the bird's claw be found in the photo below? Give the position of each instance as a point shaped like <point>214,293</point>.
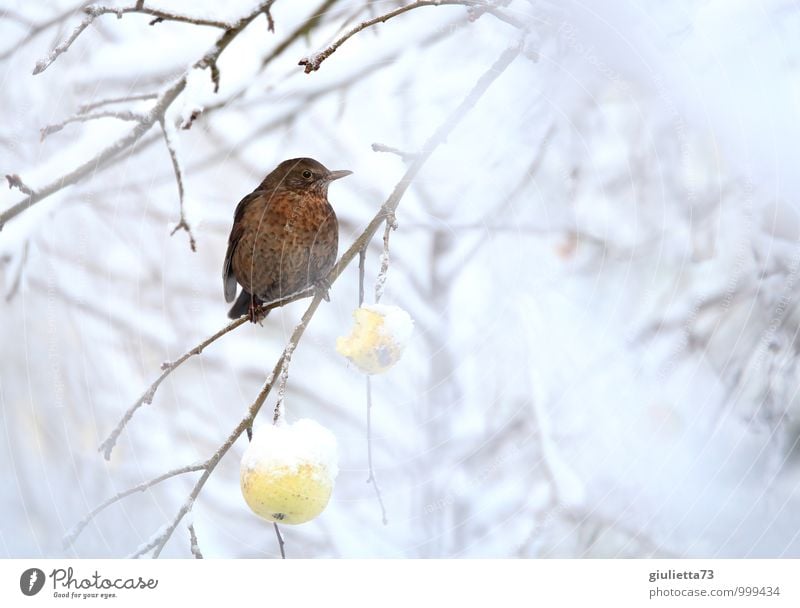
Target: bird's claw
<point>256,313</point>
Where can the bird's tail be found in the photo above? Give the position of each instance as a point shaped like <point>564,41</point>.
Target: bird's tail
<point>242,305</point>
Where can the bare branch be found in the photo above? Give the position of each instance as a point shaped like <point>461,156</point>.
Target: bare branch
<point>168,367</point>
<point>380,283</point>
<point>93,12</point>
<point>121,115</point>
<point>114,100</point>
<point>362,256</point>
<point>282,380</point>
<point>115,150</point>
<point>147,397</point>
<point>304,29</point>
<point>73,534</point>
<point>36,29</point>
<point>176,167</point>
<point>312,63</point>
<point>270,27</point>
<point>406,156</point>
<point>193,546</point>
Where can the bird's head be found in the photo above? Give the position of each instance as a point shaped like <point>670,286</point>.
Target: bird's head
<point>302,175</point>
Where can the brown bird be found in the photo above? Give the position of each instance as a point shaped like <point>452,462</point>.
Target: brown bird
<point>284,239</point>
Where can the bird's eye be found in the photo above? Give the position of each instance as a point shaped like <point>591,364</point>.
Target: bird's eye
<point>307,174</point>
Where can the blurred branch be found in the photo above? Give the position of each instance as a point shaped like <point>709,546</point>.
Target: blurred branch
<point>380,282</point>
<point>387,210</point>
<point>36,29</point>
<point>313,62</point>
<point>93,12</point>
<point>176,167</point>
<point>73,534</point>
<point>114,100</point>
<point>157,113</point>
<point>121,115</point>
<point>302,30</point>
<point>378,147</point>
<point>362,256</point>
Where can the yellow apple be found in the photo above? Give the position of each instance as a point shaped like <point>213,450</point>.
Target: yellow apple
<point>288,471</point>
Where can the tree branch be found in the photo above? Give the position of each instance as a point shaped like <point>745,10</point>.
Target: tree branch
<point>176,167</point>
<point>93,12</point>
<point>73,534</point>
<point>170,366</point>
<point>110,153</point>
<point>115,100</point>
<point>193,546</point>
<point>313,62</point>
<point>121,115</point>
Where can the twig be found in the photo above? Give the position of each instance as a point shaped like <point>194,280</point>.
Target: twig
<point>406,156</point>
<point>168,367</point>
<point>93,12</point>
<point>73,534</point>
<point>15,181</point>
<point>362,255</point>
<point>115,100</point>
<point>280,540</point>
<point>173,155</point>
<point>120,115</point>
<point>193,546</point>
<point>270,23</point>
<point>282,379</point>
<point>380,283</point>
<point>12,291</point>
<point>37,29</point>
<point>147,397</point>
<point>304,29</point>
<point>312,63</point>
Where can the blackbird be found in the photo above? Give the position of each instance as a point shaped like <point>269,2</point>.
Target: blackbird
<point>284,239</point>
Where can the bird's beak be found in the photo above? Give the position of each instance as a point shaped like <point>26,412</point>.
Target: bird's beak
<point>338,174</point>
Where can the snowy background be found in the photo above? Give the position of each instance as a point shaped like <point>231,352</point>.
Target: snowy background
<point>601,262</point>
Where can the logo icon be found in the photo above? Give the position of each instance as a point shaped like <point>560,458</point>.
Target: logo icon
<point>31,581</point>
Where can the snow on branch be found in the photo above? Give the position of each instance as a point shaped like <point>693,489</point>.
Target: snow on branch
<point>193,546</point>
<point>163,101</point>
<point>313,62</point>
<point>73,534</point>
<point>115,100</point>
<point>120,115</point>
<point>93,12</point>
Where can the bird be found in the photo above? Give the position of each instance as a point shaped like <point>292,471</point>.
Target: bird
<point>284,239</point>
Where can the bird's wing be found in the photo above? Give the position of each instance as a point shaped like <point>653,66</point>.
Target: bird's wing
<point>228,278</point>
